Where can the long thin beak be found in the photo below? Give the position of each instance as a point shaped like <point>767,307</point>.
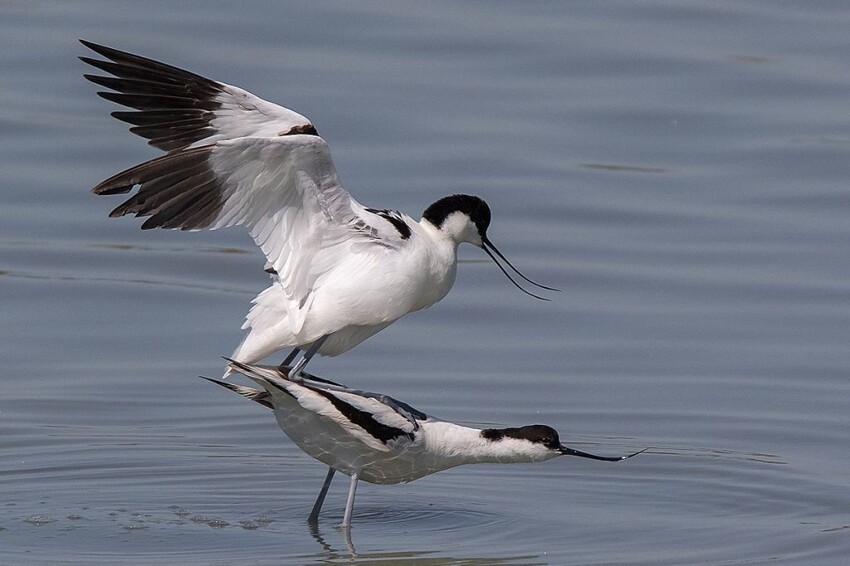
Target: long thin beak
<point>572,452</point>
<point>490,249</point>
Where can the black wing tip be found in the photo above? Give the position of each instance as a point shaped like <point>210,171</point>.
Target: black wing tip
<point>90,44</point>
<point>104,51</point>
<point>92,78</point>
<point>88,61</point>
<point>108,95</point>
<point>101,49</point>
<point>224,384</point>
<point>110,190</point>
<point>256,395</point>
<point>126,60</point>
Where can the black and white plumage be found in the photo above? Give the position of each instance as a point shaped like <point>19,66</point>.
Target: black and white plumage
<point>381,440</point>
<point>341,271</point>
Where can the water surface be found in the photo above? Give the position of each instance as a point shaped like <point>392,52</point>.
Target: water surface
<point>680,171</point>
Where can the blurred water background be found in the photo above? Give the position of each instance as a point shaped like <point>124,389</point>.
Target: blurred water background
<point>680,170</point>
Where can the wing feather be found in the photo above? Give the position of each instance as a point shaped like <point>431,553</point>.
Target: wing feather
<point>204,110</point>
<point>234,159</point>
<point>284,190</point>
<point>363,416</point>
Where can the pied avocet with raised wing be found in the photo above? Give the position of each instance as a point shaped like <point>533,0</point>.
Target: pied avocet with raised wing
<point>381,440</point>
<point>341,271</point>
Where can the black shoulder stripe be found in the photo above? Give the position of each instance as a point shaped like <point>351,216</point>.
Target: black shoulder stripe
<point>364,419</point>
<point>393,218</point>
<point>400,407</point>
<point>279,387</point>
<point>304,129</point>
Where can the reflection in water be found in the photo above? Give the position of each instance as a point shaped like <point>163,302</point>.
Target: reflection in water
<point>716,453</point>
<point>623,168</point>
<point>328,550</point>
<point>79,254</point>
<point>412,525</point>
<point>350,555</point>
<point>122,280</point>
<point>125,247</point>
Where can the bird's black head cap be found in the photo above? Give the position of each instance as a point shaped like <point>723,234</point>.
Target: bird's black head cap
<point>536,434</point>
<point>472,206</point>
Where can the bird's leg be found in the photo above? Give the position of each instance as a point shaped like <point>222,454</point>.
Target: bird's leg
<point>295,372</point>
<point>349,504</point>
<point>346,533</point>
<point>314,514</point>
<point>289,358</point>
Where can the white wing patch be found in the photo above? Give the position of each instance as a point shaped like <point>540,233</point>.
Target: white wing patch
<point>243,114</point>
<point>286,192</point>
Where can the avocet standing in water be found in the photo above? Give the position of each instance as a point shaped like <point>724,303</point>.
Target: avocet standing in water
<point>341,271</point>
<point>381,440</point>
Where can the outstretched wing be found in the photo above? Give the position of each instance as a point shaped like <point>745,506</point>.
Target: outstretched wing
<point>234,159</point>
<point>176,109</point>
<point>284,190</point>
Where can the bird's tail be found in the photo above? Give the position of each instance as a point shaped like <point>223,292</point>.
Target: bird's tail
<point>257,395</point>
<point>269,327</point>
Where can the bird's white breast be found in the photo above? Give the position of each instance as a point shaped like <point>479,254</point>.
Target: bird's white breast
<point>378,285</point>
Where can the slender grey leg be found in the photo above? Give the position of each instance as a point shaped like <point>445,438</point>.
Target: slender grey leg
<point>289,358</point>
<point>314,514</point>
<point>349,504</point>
<point>295,372</point>
<point>346,533</point>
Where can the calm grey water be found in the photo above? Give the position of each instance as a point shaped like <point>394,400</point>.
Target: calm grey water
<point>680,170</point>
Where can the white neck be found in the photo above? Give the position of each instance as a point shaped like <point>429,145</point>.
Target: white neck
<point>464,445</point>
<point>437,235</point>
<point>457,228</point>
